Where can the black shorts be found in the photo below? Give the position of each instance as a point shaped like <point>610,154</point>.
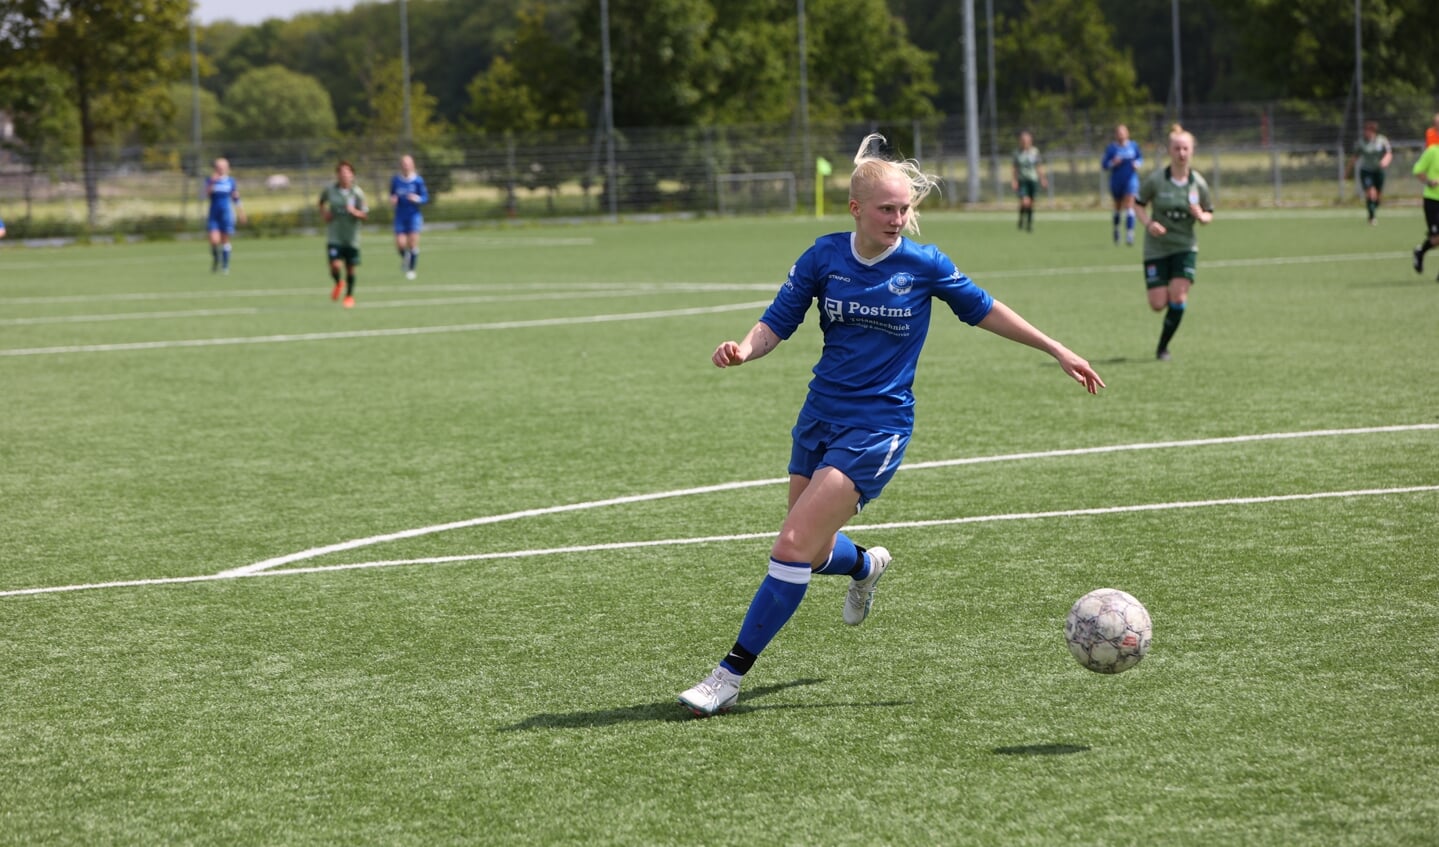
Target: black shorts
<point>343,253</point>
<point>1431,215</point>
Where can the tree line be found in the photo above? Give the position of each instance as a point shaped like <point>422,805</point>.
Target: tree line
<point>79,74</point>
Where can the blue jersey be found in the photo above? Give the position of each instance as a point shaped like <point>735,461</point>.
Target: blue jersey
<point>874,315</point>
<point>223,193</point>
<point>407,211</point>
<point>1126,173</point>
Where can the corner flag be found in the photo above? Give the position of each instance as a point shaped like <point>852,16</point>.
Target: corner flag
<point>822,169</point>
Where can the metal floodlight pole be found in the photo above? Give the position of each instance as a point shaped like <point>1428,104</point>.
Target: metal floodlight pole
<point>1178,83</point>
<point>194,113</point>
<point>807,163</point>
<point>194,92</point>
<point>993,101</point>
<point>609,108</point>
<point>1358,71</point>
<point>971,103</point>
<point>405,68</point>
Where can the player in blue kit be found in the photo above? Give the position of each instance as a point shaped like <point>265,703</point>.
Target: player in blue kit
<point>407,195</point>
<point>873,290</point>
<point>224,197</point>
<point>1122,158</point>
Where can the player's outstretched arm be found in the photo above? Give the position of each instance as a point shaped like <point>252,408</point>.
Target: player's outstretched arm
<point>757,342</point>
<point>1006,323</point>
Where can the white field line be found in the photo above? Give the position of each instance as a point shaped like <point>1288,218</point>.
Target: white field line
<point>718,539</point>
<point>1208,263</point>
<point>731,486</point>
<point>978,276</point>
<point>378,333</point>
<point>52,259</point>
<point>1162,445</point>
<point>370,305</point>
<point>128,316</point>
<point>310,291</point>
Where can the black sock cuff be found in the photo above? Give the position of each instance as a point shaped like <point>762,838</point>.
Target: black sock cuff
<point>739,659</point>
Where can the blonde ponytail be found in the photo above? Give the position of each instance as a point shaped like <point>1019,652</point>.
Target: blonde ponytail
<point>871,167</point>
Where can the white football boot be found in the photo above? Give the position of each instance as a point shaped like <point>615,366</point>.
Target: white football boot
<point>860,597</point>
<point>715,693</point>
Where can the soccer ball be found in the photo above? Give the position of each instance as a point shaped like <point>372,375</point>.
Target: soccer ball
<point>1108,630</point>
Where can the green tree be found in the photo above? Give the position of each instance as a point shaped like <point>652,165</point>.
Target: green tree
<point>692,62</point>
<point>754,63</point>
<point>661,68</point>
<point>501,102</point>
<point>386,123</point>
<point>536,85</point>
<point>1059,58</point>
<point>113,54</point>
<point>181,128</point>
<point>272,104</point>
<point>1305,48</point>
<point>862,64</point>
<point>46,123</point>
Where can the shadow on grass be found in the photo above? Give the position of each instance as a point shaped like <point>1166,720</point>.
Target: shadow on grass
<point>666,711</point>
<point>1041,750</point>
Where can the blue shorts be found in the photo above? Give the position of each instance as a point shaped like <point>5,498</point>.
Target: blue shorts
<point>868,458</point>
<point>1121,188</point>
<point>405,224</point>
<point>222,221</point>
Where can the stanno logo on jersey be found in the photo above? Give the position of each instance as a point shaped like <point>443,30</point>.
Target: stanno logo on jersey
<point>901,283</point>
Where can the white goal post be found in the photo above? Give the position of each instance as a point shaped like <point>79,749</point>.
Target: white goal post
<point>756,193</point>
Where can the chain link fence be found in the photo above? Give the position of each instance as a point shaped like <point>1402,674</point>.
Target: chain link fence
<point>1255,154</point>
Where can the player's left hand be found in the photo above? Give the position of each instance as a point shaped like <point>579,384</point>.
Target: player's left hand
<point>1080,371</point>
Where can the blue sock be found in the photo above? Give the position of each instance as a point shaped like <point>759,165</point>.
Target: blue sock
<point>773,605</point>
<point>414,258</point>
<point>1129,220</point>
<point>225,257</point>
<point>846,559</point>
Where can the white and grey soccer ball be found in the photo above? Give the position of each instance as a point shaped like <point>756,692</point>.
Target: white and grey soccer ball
<point>1108,630</point>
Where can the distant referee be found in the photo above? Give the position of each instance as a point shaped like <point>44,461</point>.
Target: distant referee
<point>1426,170</point>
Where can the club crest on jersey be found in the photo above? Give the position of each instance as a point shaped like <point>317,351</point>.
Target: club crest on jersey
<point>901,283</point>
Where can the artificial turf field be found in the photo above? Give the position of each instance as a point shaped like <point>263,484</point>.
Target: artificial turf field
<point>432,570</point>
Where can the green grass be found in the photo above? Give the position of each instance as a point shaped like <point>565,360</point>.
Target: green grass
<point>1291,695</point>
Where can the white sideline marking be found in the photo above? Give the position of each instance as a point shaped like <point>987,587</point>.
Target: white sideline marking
<point>1160,445</point>
<point>432,242</point>
<point>730,486</point>
<point>629,545</point>
<point>128,316</point>
<point>489,519</point>
<point>310,291</point>
<point>979,276</point>
<point>1010,273</point>
<point>370,305</point>
<point>379,333</point>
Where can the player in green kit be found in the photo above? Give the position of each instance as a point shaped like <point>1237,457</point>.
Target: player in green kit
<point>1170,201</point>
<point>1027,179</point>
<point>342,205</point>
<point>1373,154</point>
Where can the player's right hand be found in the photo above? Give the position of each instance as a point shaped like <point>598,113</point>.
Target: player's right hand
<point>727,354</point>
